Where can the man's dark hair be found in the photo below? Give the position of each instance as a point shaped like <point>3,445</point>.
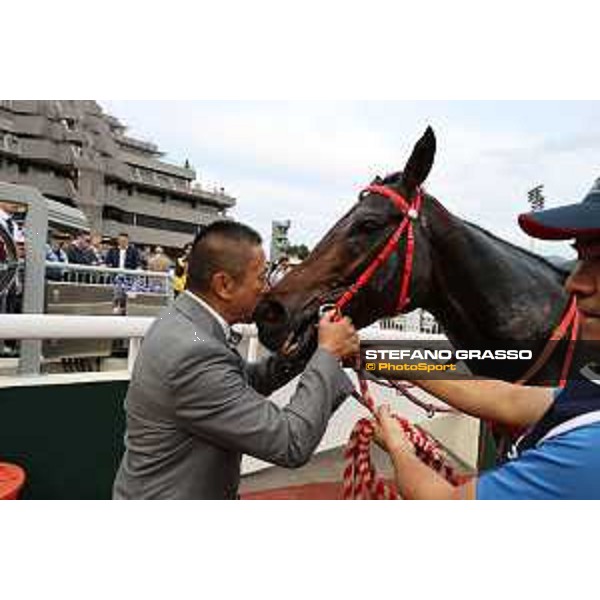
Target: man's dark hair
<point>222,246</point>
<point>124,235</point>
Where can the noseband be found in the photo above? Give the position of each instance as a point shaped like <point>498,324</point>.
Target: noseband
<point>411,213</point>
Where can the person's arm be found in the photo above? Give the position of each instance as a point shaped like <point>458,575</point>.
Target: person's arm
<point>110,259</point>
<point>214,402</point>
<point>415,480</point>
<point>508,404</point>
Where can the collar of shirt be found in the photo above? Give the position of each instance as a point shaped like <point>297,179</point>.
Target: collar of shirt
<point>222,322</point>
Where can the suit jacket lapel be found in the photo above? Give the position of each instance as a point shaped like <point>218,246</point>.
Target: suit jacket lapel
<point>200,316</point>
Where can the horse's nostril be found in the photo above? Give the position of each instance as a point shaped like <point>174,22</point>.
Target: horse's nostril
<point>271,312</point>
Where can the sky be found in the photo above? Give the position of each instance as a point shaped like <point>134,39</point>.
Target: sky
<point>307,161</point>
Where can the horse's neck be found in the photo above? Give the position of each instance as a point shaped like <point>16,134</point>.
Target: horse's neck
<point>487,289</point>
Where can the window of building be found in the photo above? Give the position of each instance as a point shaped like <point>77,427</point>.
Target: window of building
<point>68,123</point>
<point>167,224</point>
<point>112,213</point>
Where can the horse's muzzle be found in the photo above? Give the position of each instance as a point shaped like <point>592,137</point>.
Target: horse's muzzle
<point>272,319</point>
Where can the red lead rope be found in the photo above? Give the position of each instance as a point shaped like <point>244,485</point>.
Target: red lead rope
<point>361,481</point>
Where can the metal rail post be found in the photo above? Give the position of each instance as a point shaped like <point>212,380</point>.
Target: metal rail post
<point>36,231</point>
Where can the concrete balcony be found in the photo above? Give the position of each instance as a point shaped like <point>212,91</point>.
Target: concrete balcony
<point>146,236</point>
<point>158,166</point>
<point>142,145</point>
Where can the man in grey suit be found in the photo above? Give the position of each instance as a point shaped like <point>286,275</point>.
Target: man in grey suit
<point>194,406</point>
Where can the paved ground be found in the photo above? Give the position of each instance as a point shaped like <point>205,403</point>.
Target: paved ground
<point>320,479</point>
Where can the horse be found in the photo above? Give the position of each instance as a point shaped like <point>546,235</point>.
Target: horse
<point>480,288</point>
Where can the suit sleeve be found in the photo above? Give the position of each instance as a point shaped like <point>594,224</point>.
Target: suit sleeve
<point>215,401</point>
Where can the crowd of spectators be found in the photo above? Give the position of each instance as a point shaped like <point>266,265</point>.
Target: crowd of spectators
<point>120,253</point>
<point>90,250</point>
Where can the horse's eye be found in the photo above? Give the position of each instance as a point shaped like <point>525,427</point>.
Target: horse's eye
<point>368,226</point>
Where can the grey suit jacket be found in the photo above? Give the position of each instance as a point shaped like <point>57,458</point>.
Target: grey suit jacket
<point>194,406</point>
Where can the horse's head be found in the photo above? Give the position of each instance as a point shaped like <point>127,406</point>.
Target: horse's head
<point>348,249</point>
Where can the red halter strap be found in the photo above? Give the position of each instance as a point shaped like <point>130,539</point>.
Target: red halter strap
<point>411,214</point>
<point>570,320</point>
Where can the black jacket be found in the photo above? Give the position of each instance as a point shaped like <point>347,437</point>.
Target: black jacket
<point>132,258</point>
<point>77,256</point>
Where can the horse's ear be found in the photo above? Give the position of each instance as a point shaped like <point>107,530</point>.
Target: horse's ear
<point>419,164</point>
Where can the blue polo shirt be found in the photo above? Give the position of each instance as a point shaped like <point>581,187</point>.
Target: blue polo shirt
<point>564,467</point>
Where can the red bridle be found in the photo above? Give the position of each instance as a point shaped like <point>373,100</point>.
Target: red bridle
<point>411,214</point>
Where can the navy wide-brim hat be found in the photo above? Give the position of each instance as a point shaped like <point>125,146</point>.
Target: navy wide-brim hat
<point>566,222</point>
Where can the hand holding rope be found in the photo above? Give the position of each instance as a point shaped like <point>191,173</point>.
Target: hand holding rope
<point>360,479</point>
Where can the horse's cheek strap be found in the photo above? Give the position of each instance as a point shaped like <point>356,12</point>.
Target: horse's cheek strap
<point>407,225</point>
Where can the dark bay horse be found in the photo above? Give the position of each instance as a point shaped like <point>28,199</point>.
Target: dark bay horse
<point>480,288</point>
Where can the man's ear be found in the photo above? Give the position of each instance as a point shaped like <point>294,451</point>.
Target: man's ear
<point>223,285</point>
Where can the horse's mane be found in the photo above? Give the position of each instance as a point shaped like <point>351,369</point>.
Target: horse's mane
<point>517,249</point>
<point>395,178</point>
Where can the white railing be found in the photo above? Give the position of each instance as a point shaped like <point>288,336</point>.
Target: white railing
<point>418,321</point>
<point>152,281</point>
<point>72,327</point>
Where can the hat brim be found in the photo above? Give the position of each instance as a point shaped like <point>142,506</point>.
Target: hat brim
<point>564,223</point>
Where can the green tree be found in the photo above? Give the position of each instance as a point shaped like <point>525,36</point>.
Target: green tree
<point>301,251</point>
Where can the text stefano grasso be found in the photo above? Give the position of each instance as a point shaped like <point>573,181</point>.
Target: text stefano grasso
<point>448,355</point>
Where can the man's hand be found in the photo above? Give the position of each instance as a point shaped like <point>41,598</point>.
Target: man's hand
<point>338,337</point>
<point>389,434</point>
<point>414,479</point>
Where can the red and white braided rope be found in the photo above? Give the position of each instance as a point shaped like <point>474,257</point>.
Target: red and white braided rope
<point>361,481</point>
